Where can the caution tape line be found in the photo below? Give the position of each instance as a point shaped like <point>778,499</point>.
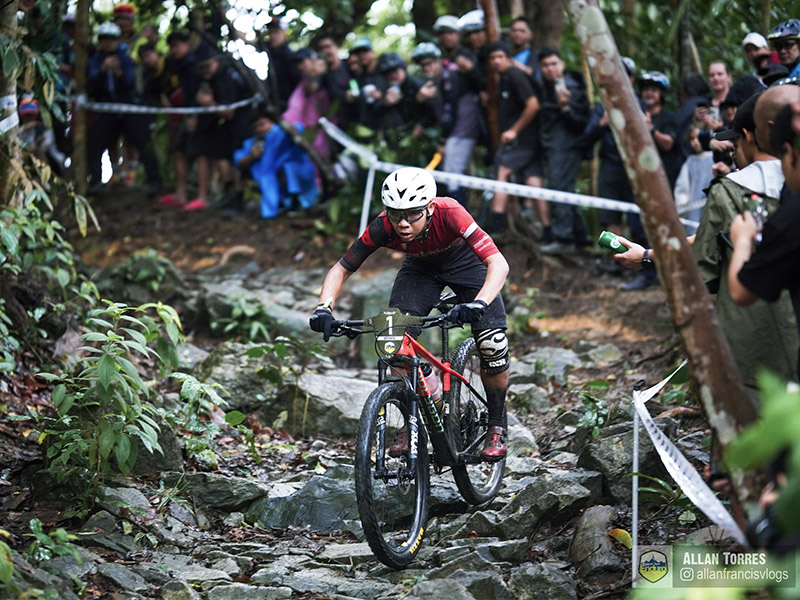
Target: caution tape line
<point>685,475</point>
<point>137,109</point>
<point>9,122</point>
<point>490,185</point>
<point>8,102</point>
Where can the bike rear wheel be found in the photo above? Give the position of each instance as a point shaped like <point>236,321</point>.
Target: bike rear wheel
<point>392,497</point>
<point>467,424</point>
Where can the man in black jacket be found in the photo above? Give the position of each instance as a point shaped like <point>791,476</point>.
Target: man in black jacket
<point>563,116</point>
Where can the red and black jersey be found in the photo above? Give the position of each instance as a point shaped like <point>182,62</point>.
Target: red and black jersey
<point>450,227</point>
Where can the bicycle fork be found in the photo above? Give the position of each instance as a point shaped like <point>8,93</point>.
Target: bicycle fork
<point>381,471</point>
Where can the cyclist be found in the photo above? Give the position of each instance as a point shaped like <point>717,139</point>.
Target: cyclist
<point>444,247</point>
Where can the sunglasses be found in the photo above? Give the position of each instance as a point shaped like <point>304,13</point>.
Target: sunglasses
<point>411,216</point>
<point>784,45</point>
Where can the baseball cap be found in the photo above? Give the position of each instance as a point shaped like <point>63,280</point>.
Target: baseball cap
<point>279,22</point>
<point>304,53</point>
<point>756,39</point>
<point>361,43</point>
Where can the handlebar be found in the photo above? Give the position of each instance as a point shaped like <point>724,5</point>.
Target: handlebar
<point>351,327</point>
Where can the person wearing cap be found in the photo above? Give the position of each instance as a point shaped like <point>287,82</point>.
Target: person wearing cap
<point>785,38</point>
<point>371,86</point>
<point>218,134</point>
<point>526,58</point>
<point>283,73</point>
<point>763,335</point>
<point>124,17</point>
<point>111,77</point>
<point>403,115</point>
<point>518,153</point>
<point>454,105</point>
<point>757,51</point>
<point>563,117</point>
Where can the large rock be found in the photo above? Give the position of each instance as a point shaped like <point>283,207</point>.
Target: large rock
<point>169,459</point>
<point>439,589</point>
<point>543,365</point>
<point>221,297</point>
<point>220,491</point>
<point>320,405</point>
<point>554,496</point>
<point>539,581</point>
<point>325,503</point>
<point>611,454</point>
<point>592,550</point>
<point>244,378</point>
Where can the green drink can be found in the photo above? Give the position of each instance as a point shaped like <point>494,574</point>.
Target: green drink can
<point>611,242</point>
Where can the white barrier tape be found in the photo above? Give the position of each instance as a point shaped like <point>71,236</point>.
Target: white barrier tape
<point>692,206</point>
<point>685,475</point>
<point>8,102</point>
<point>479,183</point>
<point>9,122</point>
<point>137,109</point>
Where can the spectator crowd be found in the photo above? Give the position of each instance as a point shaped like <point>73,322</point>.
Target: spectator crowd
<point>435,101</point>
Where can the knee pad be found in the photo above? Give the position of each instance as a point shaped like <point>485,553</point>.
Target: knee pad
<point>493,348</point>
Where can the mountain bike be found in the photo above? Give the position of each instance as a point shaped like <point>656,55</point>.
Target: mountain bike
<point>392,487</point>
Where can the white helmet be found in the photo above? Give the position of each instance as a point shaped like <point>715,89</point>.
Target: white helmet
<point>109,30</point>
<point>446,23</point>
<point>408,187</point>
<point>472,21</point>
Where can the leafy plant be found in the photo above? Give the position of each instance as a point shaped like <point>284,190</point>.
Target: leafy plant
<point>248,321</point>
<point>596,413</point>
<point>773,440</point>
<point>6,560</point>
<point>32,248</point>
<point>236,418</point>
<point>670,496</point>
<point>46,546</point>
<point>101,409</point>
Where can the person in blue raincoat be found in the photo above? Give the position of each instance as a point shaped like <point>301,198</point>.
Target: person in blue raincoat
<point>281,168</point>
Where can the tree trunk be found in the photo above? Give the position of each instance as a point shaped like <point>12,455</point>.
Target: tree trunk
<point>765,16</point>
<point>8,87</point>
<point>81,60</point>
<point>423,13</point>
<point>492,20</point>
<point>547,22</point>
<point>686,60</point>
<point>726,404</point>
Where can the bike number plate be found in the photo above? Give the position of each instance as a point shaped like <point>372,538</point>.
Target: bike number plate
<point>391,326</point>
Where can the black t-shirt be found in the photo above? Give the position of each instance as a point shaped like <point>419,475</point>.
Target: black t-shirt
<point>775,265</point>
<point>515,89</point>
<point>667,123</point>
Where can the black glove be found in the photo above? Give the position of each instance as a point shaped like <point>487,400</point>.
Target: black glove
<point>468,312</point>
<point>322,321</point>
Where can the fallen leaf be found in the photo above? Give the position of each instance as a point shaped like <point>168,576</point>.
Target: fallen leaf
<point>622,536</point>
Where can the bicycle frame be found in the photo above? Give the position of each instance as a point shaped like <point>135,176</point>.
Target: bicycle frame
<point>409,353</point>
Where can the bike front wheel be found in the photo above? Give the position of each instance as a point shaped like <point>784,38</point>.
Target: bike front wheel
<point>392,493</point>
<point>467,425</point>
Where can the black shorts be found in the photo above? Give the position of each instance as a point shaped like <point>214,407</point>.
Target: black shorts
<point>420,282</point>
<point>524,161</point>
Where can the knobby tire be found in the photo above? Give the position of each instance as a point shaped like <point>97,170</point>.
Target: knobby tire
<point>394,511</point>
<point>478,482</point>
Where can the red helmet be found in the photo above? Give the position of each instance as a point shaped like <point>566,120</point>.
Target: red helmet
<point>125,10</point>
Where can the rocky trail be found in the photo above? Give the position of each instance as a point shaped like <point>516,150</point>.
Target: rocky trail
<point>272,514</point>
